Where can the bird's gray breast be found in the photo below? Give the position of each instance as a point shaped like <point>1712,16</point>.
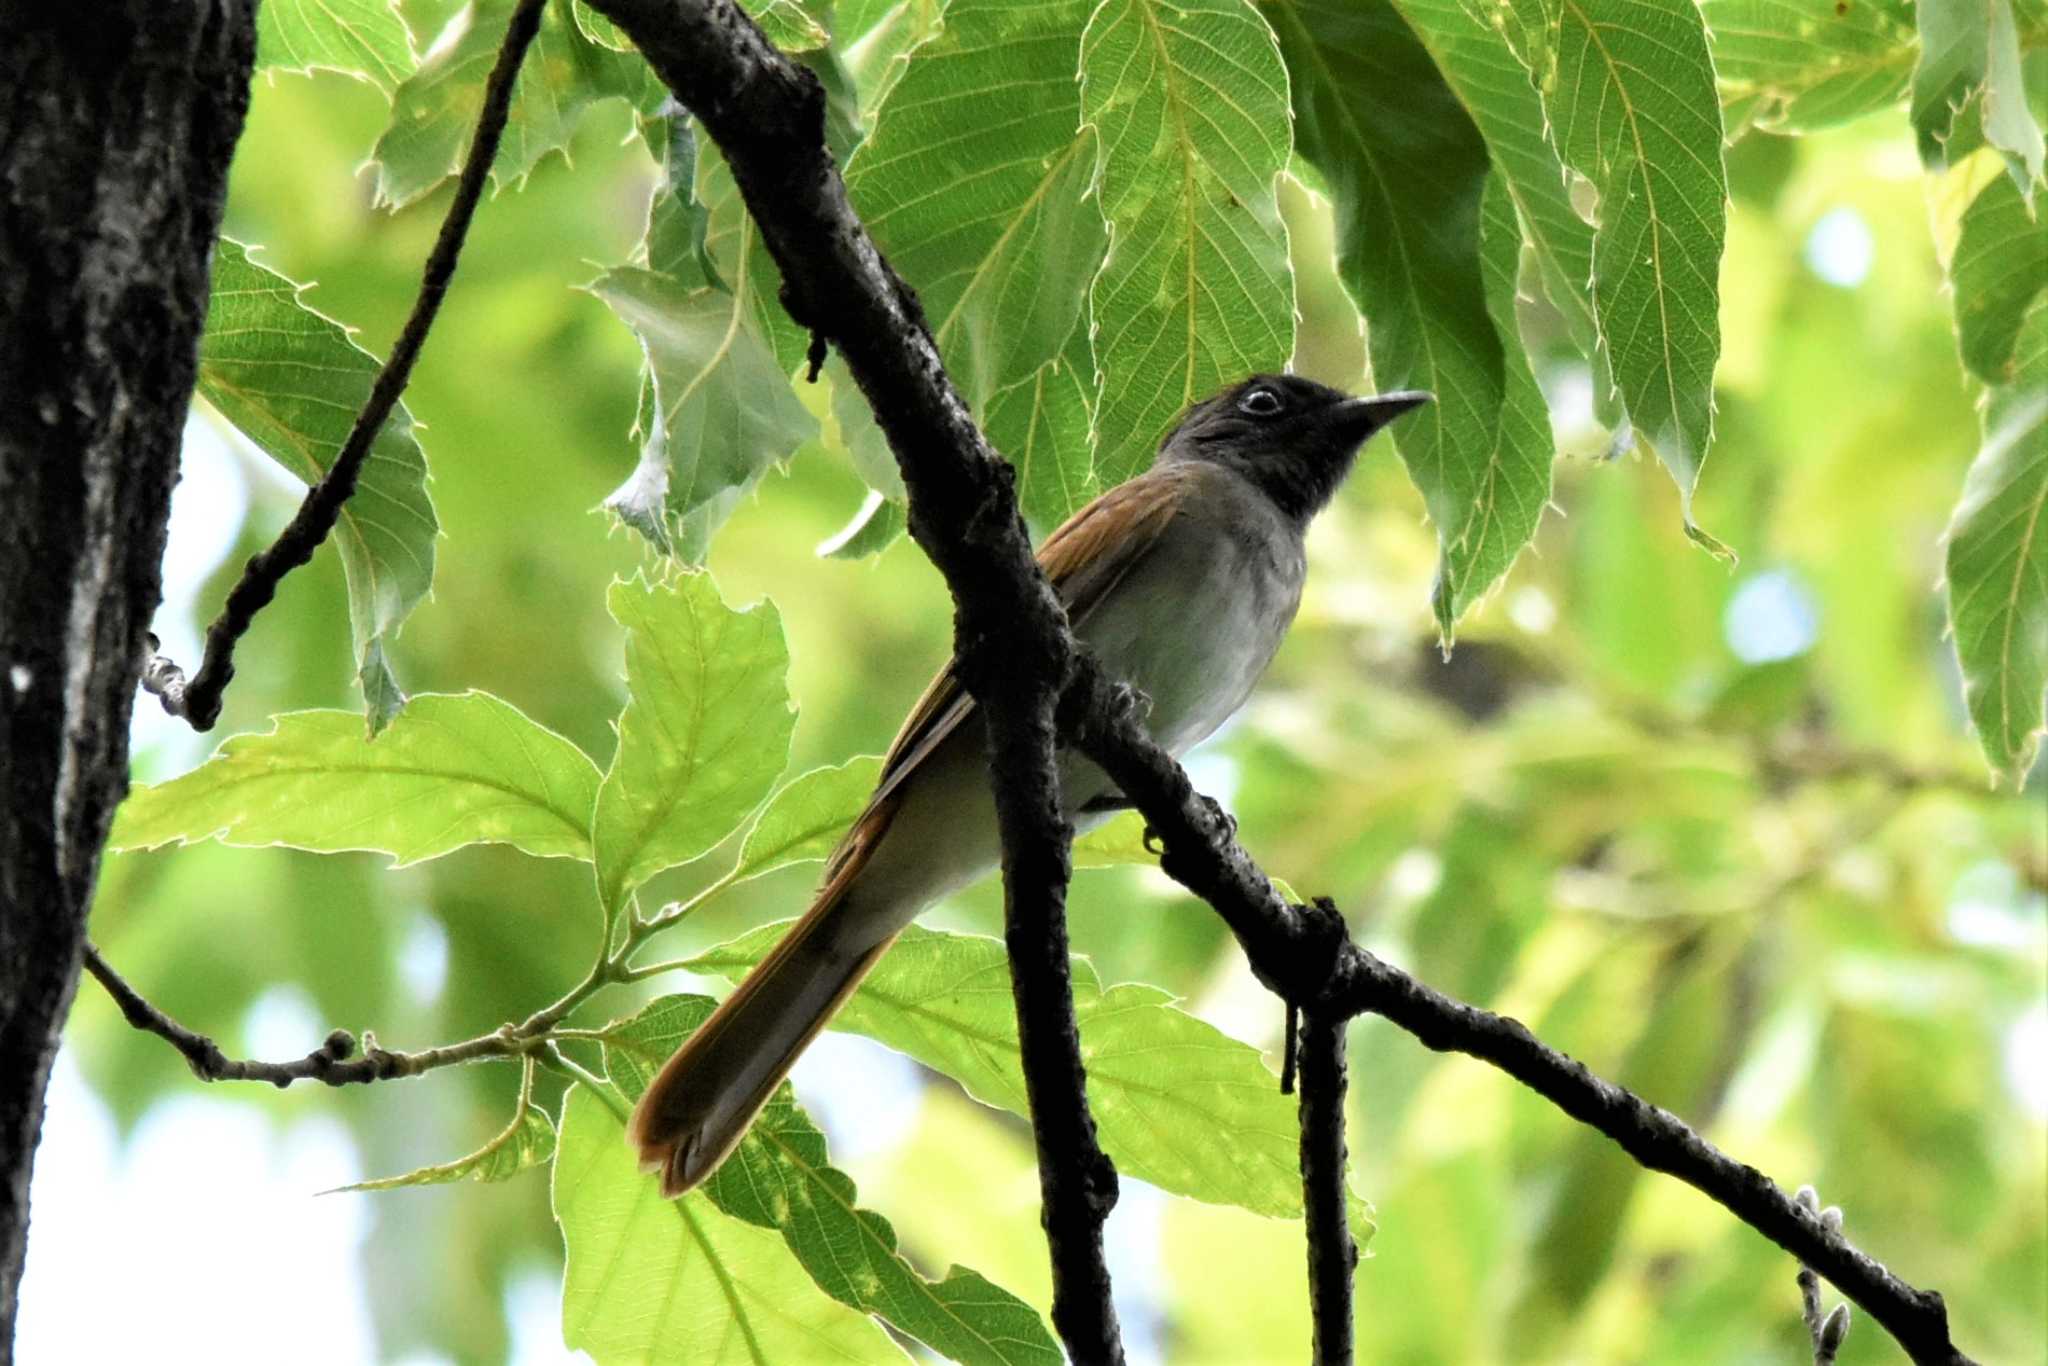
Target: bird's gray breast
<point>1196,622</point>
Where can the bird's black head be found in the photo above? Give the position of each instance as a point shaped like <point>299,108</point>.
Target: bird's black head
<point>1292,437</point>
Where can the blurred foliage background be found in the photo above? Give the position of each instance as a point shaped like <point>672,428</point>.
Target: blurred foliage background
<point>1719,832</point>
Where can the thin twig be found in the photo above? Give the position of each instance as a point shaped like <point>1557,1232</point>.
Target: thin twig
<point>1332,1255</point>
<point>199,699</point>
<point>334,1062</point>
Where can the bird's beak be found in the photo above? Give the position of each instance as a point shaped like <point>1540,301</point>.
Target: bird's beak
<point>1358,418</point>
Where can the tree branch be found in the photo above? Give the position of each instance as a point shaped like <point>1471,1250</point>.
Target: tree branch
<point>198,699</point>
<point>1304,954</point>
<point>1332,1255</point>
<point>334,1062</point>
<point>767,116</point>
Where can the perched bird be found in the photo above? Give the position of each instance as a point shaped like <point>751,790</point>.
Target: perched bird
<point>1182,582</point>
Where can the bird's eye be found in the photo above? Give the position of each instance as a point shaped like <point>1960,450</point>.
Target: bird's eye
<point>1260,402</point>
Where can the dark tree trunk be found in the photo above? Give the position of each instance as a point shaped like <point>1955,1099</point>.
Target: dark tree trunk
<point>117,121</point>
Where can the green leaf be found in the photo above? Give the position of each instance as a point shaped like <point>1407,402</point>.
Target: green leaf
<point>1998,563</point>
<point>873,528</point>
<point>291,381</point>
<point>366,39</point>
<point>1999,269</point>
<point>719,412</point>
<point>434,111</point>
<point>791,26</point>
<point>1970,51</point>
<point>1042,426</point>
<point>597,28</point>
<point>1177,1103</point>
<point>678,223</point>
<point>451,770</point>
<point>1003,268</point>
<point>858,434</point>
<point>1512,484</point>
<point>1629,90</point>
<point>1477,52</point>
<point>649,1279</point>
<point>1804,65</point>
<point>803,822</point>
<point>779,1178</point>
<point>716,408</point>
<point>1407,169</point>
<point>525,1143</point>
<point>705,731</point>
<point>1117,841</point>
<point>1190,103</point>
<point>872,34</point>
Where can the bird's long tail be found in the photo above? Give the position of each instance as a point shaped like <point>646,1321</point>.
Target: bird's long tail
<point>698,1108</point>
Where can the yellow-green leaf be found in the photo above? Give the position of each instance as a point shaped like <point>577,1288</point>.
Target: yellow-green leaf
<point>451,770</point>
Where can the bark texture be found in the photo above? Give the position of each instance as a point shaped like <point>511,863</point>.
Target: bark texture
<point>117,122</point>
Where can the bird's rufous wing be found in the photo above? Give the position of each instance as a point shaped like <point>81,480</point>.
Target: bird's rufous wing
<point>1084,558</point>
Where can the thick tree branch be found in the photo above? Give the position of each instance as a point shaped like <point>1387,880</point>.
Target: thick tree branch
<point>117,123</point>
<point>198,699</point>
<point>1332,1255</point>
<point>766,114</point>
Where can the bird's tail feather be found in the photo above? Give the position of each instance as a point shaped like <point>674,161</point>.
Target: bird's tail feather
<point>698,1107</point>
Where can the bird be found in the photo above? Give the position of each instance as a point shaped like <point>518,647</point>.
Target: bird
<point>1182,582</point>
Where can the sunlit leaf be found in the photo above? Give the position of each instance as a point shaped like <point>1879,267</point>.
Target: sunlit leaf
<point>649,1279</point>
<point>451,770</point>
<point>802,822</point>
<point>1970,51</point>
<point>1629,90</point>
<point>1407,168</point>
<point>434,111</point>
<point>1003,271</point>
<point>705,731</point>
<point>1811,64</point>
<point>1999,269</point>
<point>1117,841</point>
<point>1998,563</point>
<point>291,381</point>
<point>779,1178</point>
<point>790,25</point>
<point>1178,1103</point>
<point>1190,105</point>
<point>870,35</point>
<point>719,412</point>
<point>597,28</point>
<point>522,1145</point>
<point>365,39</point>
